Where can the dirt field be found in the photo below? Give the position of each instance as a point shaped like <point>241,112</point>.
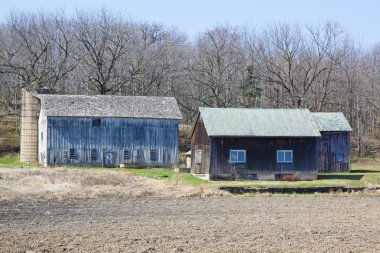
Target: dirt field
<point>228,224</point>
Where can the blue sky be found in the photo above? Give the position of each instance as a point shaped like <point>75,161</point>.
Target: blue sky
<point>361,18</point>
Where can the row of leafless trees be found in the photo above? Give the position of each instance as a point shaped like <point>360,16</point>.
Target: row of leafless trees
<point>279,66</point>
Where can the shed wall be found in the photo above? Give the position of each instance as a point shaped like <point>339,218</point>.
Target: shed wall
<point>107,142</point>
<point>330,145</point>
<point>261,158</point>
<point>200,141</point>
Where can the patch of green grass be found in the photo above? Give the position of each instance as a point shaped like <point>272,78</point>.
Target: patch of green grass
<point>169,175</point>
<point>190,179</point>
<point>360,175</point>
<point>165,174</point>
<point>14,162</point>
<point>374,168</point>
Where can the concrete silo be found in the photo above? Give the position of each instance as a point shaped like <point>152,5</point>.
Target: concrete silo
<point>29,127</point>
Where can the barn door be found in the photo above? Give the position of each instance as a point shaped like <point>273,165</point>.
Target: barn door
<point>138,157</point>
<point>166,159</point>
<point>108,159</point>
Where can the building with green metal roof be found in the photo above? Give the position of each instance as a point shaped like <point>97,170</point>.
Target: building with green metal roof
<point>268,144</point>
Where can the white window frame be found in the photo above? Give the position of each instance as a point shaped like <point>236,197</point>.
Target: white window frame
<point>285,151</point>
<point>237,155</point>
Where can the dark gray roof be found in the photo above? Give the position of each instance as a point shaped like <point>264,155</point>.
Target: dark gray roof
<point>109,106</point>
<point>331,122</point>
<point>259,122</point>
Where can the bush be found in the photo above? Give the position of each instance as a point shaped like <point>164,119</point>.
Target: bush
<point>293,177</point>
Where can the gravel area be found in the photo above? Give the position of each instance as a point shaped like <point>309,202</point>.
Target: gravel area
<point>227,224</point>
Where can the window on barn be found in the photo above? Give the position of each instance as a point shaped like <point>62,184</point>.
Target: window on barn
<point>237,156</point>
<point>93,154</point>
<point>127,154</point>
<point>96,122</point>
<point>198,156</point>
<point>339,157</point>
<point>153,155</point>
<point>284,156</point>
<point>72,153</point>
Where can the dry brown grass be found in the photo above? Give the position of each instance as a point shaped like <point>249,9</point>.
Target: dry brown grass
<point>61,183</point>
<point>291,178</point>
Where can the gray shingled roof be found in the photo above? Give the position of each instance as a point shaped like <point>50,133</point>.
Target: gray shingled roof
<point>331,121</point>
<point>259,122</point>
<point>109,106</point>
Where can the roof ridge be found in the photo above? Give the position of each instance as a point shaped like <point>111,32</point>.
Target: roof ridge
<point>110,106</point>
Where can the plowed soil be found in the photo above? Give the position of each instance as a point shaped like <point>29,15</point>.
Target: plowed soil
<point>227,224</point>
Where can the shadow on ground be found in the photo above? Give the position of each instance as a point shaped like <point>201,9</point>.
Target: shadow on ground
<point>344,177</point>
<point>364,171</point>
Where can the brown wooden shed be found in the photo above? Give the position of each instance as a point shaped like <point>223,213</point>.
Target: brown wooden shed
<point>257,144</point>
<point>334,144</point>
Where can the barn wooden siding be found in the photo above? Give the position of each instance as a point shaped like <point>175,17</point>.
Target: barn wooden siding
<point>329,146</point>
<point>200,141</point>
<point>93,143</point>
<point>261,158</point>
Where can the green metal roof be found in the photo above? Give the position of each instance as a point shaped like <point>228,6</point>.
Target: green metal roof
<point>331,122</point>
<point>259,122</point>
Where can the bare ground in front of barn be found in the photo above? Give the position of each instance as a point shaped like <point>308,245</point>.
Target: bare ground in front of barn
<point>82,210</point>
<point>211,224</point>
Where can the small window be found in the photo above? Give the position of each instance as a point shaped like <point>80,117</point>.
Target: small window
<point>93,154</point>
<point>339,157</point>
<point>72,153</point>
<point>96,122</point>
<point>153,155</point>
<point>284,156</point>
<point>198,156</point>
<point>127,154</point>
<point>237,156</point>
<point>42,136</point>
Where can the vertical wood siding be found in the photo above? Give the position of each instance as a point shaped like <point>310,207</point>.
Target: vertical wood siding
<point>200,141</point>
<point>329,146</point>
<point>114,135</point>
<point>261,156</point>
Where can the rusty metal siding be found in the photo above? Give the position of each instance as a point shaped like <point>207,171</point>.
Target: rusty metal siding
<point>261,156</point>
<point>200,141</point>
<point>114,135</point>
<point>329,146</point>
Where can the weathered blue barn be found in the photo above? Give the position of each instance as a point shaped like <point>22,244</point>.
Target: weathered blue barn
<point>109,131</point>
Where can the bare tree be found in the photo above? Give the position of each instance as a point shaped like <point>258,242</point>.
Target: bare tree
<point>105,40</point>
<point>35,50</point>
<point>215,69</point>
<point>295,61</point>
